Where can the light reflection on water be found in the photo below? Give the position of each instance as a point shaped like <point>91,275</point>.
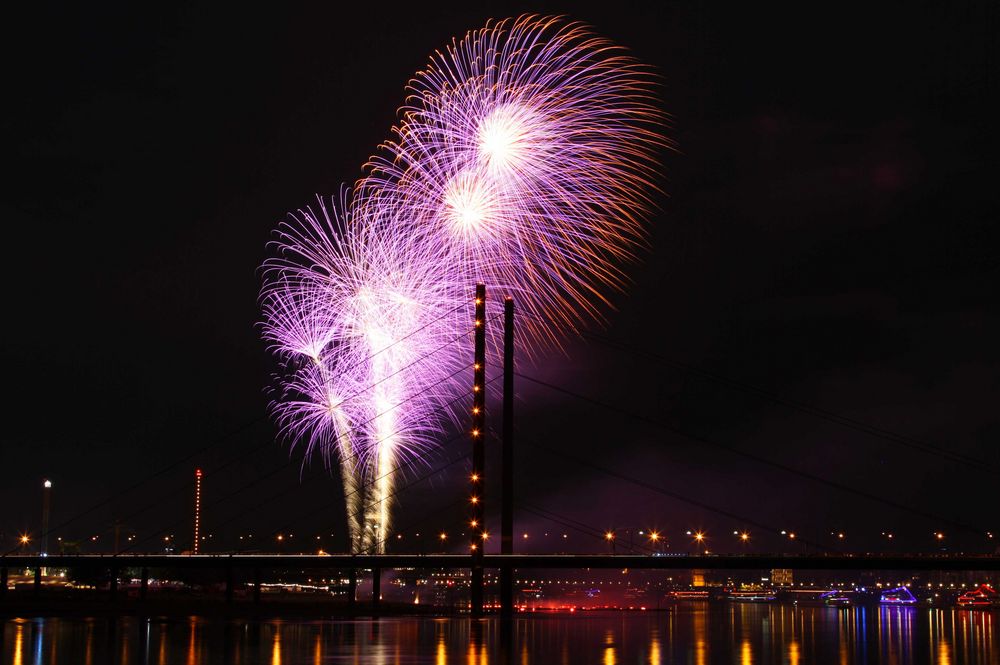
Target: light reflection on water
<point>746,634</point>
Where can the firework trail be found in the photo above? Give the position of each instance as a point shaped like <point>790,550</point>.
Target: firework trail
<point>523,158</point>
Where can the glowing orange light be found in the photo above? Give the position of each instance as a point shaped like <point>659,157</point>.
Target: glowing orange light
<point>744,536</point>
<point>474,523</point>
<point>607,536</point>
<point>475,477</point>
<point>474,499</point>
<point>443,536</point>
<point>25,539</point>
<point>699,536</point>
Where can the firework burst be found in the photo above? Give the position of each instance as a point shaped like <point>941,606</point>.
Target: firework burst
<point>525,155</point>
<point>366,331</point>
<point>523,159</point>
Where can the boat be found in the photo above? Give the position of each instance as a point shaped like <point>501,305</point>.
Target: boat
<point>982,596</point>
<point>839,598</point>
<point>898,596</point>
<point>687,595</point>
<point>751,595</point>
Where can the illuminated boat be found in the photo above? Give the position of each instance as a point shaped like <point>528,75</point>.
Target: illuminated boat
<point>751,595</point>
<point>982,596</point>
<point>838,598</point>
<point>898,596</point>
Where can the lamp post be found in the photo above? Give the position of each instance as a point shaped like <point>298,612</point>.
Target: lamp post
<point>46,508</point>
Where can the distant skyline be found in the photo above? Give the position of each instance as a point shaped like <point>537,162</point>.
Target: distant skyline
<point>826,236</point>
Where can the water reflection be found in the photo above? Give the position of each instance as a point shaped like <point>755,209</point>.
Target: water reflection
<point>696,634</point>
<point>19,644</point>
<point>276,646</point>
<point>793,653</point>
<point>654,647</point>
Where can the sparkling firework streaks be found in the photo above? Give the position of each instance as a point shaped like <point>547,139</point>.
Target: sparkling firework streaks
<point>523,159</point>
<point>525,155</point>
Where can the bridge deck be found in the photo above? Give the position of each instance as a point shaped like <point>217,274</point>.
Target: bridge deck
<point>522,561</point>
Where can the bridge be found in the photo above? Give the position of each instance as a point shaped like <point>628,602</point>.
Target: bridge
<point>228,564</point>
<point>516,561</point>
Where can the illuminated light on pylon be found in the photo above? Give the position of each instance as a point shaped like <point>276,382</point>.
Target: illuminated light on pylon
<point>197,510</point>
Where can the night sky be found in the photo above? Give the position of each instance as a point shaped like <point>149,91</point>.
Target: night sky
<point>820,290</point>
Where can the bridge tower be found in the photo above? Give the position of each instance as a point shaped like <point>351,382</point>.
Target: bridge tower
<point>477,497</point>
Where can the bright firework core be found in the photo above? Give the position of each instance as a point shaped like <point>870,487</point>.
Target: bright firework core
<point>508,139</point>
<point>470,206</point>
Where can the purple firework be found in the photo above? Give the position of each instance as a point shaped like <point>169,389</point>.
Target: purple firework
<point>523,159</point>
<point>524,156</point>
<point>367,331</point>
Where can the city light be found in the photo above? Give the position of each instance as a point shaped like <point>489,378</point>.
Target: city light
<point>607,536</point>
<point>47,484</point>
<point>699,536</point>
<point>25,539</point>
<point>744,536</point>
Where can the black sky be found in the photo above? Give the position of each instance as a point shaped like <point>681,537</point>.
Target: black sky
<point>828,238</point>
